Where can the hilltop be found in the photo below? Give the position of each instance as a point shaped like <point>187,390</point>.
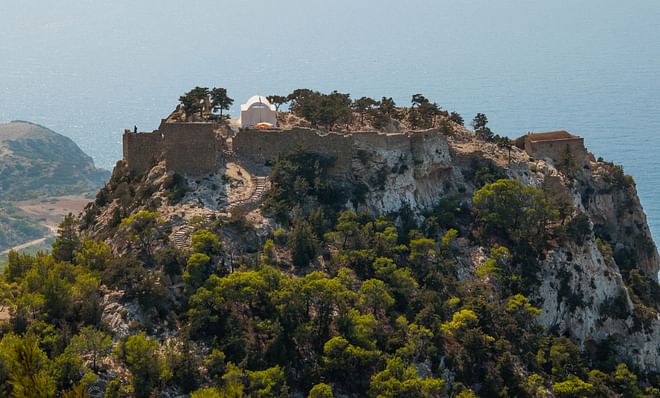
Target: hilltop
<point>38,164</point>
<point>382,259</point>
<point>36,161</point>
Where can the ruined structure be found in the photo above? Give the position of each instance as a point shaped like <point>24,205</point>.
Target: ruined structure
<point>554,145</point>
<point>186,147</point>
<point>197,148</point>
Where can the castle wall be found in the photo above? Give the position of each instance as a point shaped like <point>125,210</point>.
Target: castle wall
<point>195,148</point>
<point>142,150</point>
<point>190,148</point>
<point>390,142</point>
<point>262,146</point>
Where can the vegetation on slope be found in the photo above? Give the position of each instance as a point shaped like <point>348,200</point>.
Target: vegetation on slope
<point>16,227</point>
<point>36,161</point>
<point>336,302</point>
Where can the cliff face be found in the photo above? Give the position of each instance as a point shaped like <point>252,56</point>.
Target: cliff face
<point>401,173</point>
<point>582,292</point>
<point>600,302</point>
<point>586,289</point>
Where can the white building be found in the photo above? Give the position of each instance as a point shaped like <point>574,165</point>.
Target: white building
<point>258,110</point>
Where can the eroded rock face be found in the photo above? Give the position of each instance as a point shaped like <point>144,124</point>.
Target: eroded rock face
<point>404,173</point>
<point>120,316</point>
<point>616,212</point>
<point>582,292</point>
<point>583,295</point>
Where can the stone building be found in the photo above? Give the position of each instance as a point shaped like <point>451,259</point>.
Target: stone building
<point>554,145</point>
<point>257,110</point>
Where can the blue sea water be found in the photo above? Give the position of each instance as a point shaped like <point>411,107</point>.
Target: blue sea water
<point>89,68</point>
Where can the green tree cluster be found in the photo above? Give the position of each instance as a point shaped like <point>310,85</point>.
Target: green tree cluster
<point>203,99</point>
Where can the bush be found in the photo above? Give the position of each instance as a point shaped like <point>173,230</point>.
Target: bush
<point>321,390</point>
<point>296,178</point>
<point>578,228</point>
<point>510,209</point>
<point>303,243</point>
<point>176,187</point>
<point>140,355</point>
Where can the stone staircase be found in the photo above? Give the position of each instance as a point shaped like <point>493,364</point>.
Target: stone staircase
<point>261,185</point>
<point>181,238</point>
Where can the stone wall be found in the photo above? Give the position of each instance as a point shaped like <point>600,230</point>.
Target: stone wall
<point>391,142</point>
<point>556,149</point>
<point>195,148</point>
<point>261,146</point>
<point>190,148</point>
<point>142,150</point>
<point>187,148</point>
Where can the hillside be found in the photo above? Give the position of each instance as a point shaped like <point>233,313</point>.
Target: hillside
<point>17,227</point>
<point>432,263</point>
<point>37,164</point>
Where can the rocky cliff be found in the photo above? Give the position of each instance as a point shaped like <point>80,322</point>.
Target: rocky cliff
<point>585,288</point>
<point>599,288</point>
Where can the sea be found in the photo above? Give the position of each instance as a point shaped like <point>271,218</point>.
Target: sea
<point>89,68</point>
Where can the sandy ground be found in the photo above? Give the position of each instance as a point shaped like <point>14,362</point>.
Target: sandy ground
<point>49,212</point>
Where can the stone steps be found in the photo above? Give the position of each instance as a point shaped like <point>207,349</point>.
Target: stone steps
<point>181,238</point>
<point>260,187</point>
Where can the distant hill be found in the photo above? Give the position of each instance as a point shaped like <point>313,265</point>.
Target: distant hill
<point>36,161</point>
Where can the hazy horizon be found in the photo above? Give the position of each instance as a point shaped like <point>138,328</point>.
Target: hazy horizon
<point>87,69</point>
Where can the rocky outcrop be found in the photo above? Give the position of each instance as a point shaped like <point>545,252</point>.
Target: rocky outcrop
<point>584,296</point>
<point>399,173</point>
<point>611,200</point>
<point>120,316</point>
<point>583,290</point>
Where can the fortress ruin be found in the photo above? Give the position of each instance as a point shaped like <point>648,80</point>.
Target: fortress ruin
<point>198,148</point>
<point>186,147</point>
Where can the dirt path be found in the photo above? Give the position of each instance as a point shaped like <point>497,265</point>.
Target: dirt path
<point>27,244</point>
<point>49,212</point>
